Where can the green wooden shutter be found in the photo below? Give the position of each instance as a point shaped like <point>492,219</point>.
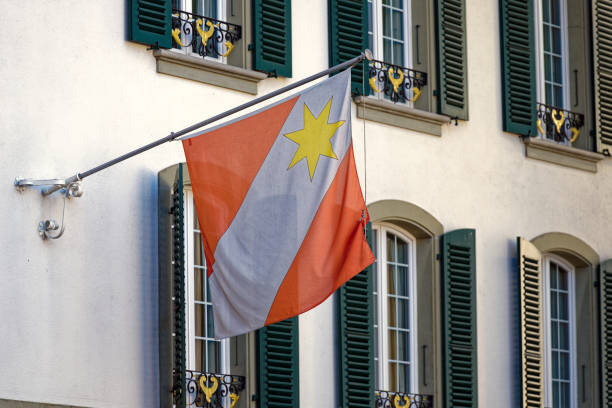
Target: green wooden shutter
<point>530,300</point>
<point>348,36</point>
<point>602,38</point>
<point>278,364</point>
<point>459,318</point>
<point>356,337</point>
<point>272,36</point>
<point>150,22</point>
<point>518,66</point>
<point>452,59</point>
<point>605,288</point>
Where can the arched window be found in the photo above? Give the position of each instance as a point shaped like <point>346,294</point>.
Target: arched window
<point>394,298</point>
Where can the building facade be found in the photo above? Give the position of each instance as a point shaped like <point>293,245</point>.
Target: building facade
<point>482,133</point>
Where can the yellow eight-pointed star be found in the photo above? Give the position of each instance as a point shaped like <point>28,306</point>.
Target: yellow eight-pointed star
<point>314,139</point>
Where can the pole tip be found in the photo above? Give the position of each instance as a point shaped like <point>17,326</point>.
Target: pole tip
<point>368,54</point>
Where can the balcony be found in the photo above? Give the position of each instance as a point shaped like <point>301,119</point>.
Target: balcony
<point>390,399</point>
<point>210,390</point>
<point>559,125</point>
<point>397,83</point>
<point>206,36</point>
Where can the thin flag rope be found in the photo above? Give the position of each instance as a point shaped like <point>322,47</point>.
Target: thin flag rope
<point>365,160</point>
<point>175,135</point>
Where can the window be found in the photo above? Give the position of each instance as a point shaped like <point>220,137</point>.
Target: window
<point>418,47</point>
<point>559,319</point>
<point>229,43</point>
<point>390,355</point>
<point>394,310</point>
<point>559,333</point>
<point>194,366</point>
<point>553,51</point>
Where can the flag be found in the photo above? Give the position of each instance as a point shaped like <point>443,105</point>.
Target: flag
<point>280,207</point>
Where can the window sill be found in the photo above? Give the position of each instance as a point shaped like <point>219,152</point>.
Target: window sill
<point>208,72</point>
<point>563,155</point>
<point>400,116</point>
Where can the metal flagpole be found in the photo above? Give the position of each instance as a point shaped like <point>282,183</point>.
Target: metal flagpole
<point>59,184</point>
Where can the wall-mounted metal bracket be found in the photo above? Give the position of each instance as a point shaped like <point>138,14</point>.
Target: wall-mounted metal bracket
<point>50,229</point>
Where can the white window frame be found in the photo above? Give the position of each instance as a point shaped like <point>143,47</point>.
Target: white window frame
<point>190,271</point>
<point>540,66</point>
<point>571,287</point>
<point>382,307</point>
<point>187,5</point>
<point>377,38</point>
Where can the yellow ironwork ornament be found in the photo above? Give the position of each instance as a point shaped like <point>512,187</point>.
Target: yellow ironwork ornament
<point>539,125</point>
<point>209,391</point>
<point>175,35</point>
<point>230,48</point>
<point>398,399</point>
<point>395,81</point>
<point>234,398</point>
<point>205,35</point>
<point>373,84</point>
<point>575,134</point>
<point>558,122</point>
<point>416,92</point>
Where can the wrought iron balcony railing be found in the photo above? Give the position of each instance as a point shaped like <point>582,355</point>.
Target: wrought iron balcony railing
<point>398,83</point>
<point>390,399</point>
<point>557,124</point>
<point>206,36</point>
<point>211,390</point>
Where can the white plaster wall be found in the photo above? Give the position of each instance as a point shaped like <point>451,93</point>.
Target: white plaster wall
<point>79,315</point>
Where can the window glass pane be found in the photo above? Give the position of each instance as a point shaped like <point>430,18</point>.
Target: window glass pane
<point>557,70</point>
<point>546,36</point>
<point>213,356</point>
<point>545,10</point>
<point>402,313</point>
<point>387,51</point>
<point>392,376</point>
<point>198,287</point>
<point>391,312</point>
<point>211,323</point>
<point>391,282</point>
<point>564,396</point>
<point>564,365</point>
<point>562,279</point>
<point>558,96</point>
<point>403,352</point>
<point>556,40</point>
<point>563,306</point>
<point>555,12</point>
<point>555,364</point>
<point>563,336</point>
<point>199,320</point>
<point>556,394</point>
<point>391,247</point>
<point>402,280</point>
<point>553,305</point>
<point>386,17</point>
<point>392,345</point>
<point>402,251</point>
<point>403,378</point>
<point>397,29</point>
<point>547,68</point>
<point>554,331</point>
<point>553,275</point>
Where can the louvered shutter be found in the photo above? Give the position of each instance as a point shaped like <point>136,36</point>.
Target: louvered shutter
<point>278,365</point>
<point>459,318</point>
<point>605,288</point>
<point>272,36</point>
<point>518,67</point>
<point>452,59</point>
<point>150,22</point>
<point>356,337</point>
<point>171,285</point>
<point>348,36</point>
<point>602,38</point>
<point>530,300</point>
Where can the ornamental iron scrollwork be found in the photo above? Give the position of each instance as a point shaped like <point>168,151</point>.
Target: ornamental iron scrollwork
<point>399,84</point>
<point>391,399</point>
<point>210,390</point>
<point>558,124</point>
<point>206,36</point>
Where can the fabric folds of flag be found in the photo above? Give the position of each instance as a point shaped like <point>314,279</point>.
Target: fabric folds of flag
<point>280,207</point>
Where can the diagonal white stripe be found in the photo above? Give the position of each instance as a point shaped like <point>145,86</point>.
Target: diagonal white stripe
<point>257,250</point>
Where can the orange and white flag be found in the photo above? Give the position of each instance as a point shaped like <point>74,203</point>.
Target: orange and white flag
<point>280,207</point>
